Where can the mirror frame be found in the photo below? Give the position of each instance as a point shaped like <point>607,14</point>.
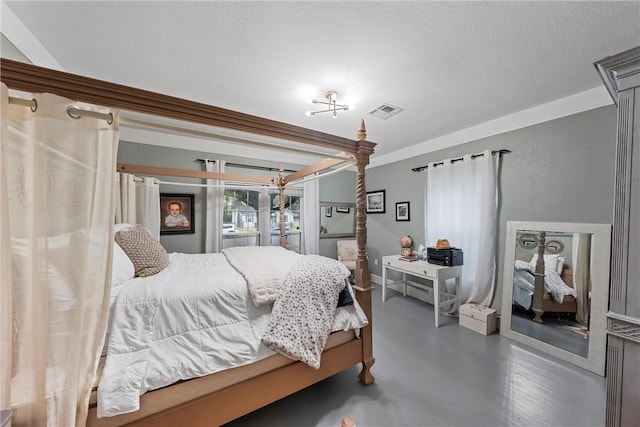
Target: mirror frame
<point>335,205</point>
<point>600,266</point>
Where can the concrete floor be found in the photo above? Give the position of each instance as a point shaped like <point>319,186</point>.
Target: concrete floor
<point>449,376</point>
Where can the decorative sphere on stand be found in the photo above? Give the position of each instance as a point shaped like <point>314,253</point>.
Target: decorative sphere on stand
<point>406,242</point>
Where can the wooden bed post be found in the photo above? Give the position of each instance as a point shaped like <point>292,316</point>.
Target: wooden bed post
<point>281,184</point>
<point>538,289</point>
<point>362,273</point>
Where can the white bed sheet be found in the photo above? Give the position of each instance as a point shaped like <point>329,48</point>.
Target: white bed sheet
<point>192,319</point>
<point>524,284</point>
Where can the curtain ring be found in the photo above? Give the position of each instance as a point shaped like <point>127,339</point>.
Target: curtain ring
<point>76,113</point>
<point>34,107</point>
<point>71,111</point>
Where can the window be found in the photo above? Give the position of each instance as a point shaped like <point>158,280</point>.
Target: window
<point>240,225</point>
<point>293,230</point>
<point>241,219</point>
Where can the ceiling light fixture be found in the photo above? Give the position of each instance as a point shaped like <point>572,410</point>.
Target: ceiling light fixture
<point>334,107</point>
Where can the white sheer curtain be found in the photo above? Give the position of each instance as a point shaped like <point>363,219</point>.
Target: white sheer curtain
<point>57,209</point>
<point>138,202</point>
<point>311,216</point>
<point>214,207</point>
<point>581,261</point>
<point>461,206</point>
<point>264,220</point>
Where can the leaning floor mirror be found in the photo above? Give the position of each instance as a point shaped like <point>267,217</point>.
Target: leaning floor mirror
<point>556,289</point>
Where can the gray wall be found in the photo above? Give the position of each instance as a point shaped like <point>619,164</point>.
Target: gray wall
<point>560,171</point>
<point>338,187</point>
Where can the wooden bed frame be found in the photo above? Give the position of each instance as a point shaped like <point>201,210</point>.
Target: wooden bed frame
<point>543,302</point>
<point>221,397</point>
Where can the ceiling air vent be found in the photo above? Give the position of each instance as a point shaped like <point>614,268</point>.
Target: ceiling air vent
<point>385,111</point>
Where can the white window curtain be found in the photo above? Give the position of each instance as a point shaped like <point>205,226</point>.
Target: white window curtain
<point>138,202</point>
<point>214,207</point>
<point>264,220</point>
<point>461,206</point>
<point>311,216</point>
<point>581,260</point>
<point>57,205</point>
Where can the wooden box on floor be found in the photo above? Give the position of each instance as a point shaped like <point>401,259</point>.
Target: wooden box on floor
<point>478,318</point>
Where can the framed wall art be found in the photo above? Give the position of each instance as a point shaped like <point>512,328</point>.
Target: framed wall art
<point>402,211</point>
<point>176,214</point>
<point>375,201</point>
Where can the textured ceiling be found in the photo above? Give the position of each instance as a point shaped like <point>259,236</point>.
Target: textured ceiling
<point>450,65</point>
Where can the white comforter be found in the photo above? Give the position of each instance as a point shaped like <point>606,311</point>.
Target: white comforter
<point>524,284</point>
<point>192,319</point>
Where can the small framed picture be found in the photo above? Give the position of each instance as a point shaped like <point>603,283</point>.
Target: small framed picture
<point>176,214</point>
<point>329,211</point>
<point>402,211</point>
<point>375,201</point>
<point>342,209</point>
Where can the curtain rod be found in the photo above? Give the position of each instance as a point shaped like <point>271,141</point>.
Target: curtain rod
<point>473,156</point>
<point>73,112</point>
<point>230,185</point>
<point>239,165</point>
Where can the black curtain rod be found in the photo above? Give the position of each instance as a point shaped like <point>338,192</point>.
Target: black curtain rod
<point>262,168</point>
<point>473,156</point>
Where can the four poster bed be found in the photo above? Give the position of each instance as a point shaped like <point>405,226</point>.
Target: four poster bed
<point>222,396</point>
<point>544,288</point>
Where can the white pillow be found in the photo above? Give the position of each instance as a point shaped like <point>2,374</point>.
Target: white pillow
<point>122,268</point>
<point>123,226</point>
<point>550,262</point>
<point>560,265</point>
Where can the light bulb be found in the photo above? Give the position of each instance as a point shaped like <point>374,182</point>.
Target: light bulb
<point>308,113</point>
<point>335,114</point>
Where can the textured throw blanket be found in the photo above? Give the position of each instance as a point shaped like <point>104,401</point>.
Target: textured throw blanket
<point>302,316</point>
<point>264,269</point>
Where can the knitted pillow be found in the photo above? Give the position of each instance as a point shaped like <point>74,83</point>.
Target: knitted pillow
<point>145,252</point>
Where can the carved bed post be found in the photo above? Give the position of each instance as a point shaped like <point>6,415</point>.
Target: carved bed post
<point>362,273</point>
<point>281,184</point>
<point>538,289</point>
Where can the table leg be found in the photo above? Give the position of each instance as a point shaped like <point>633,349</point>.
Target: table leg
<point>404,284</point>
<point>459,290</point>
<point>384,282</point>
<point>436,301</point>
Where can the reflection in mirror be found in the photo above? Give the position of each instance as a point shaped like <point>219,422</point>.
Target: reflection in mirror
<point>554,246</point>
<point>527,240</point>
<point>555,292</point>
<point>337,219</point>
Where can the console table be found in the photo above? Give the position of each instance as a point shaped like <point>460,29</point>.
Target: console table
<point>437,274</point>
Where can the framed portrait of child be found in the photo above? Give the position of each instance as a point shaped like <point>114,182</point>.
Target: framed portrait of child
<point>176,214</point>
